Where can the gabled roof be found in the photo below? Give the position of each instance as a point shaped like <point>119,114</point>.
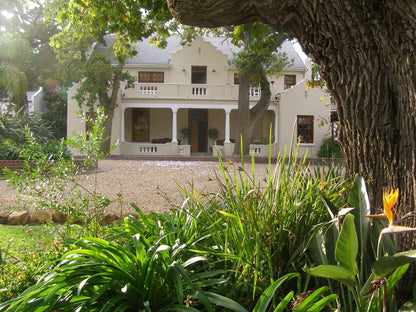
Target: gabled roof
<point>148,54</point>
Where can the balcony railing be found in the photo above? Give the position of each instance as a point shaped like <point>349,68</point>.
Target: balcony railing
<point>171,90</point>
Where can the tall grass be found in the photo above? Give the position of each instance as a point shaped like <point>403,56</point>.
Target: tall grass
<point>261,230</point>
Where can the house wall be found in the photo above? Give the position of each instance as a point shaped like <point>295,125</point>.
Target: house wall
<point>201,53</point>
<point>74,123</point>
<point>38,105</point>
<point>299,100</point>
<point>116,126</point>
<point>176,92</point>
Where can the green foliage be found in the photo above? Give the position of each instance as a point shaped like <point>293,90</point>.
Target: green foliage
<point>26,253</point>
<point>13,129</point>
<point>130,20</point>
<point>259,56</point>
<point>13,85</point>
<point>29,26</point>
<point>18,275</point>
<point>14,142</point>
<point>57,111</point>
<point>89,144</point>
<point>103,276</point>
<point>52,184</point>
<point>357,265</point>
<point>23,239</point>
<point>253,227</point>
<point>330,148</point>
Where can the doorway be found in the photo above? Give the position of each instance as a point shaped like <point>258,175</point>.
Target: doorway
<point>198,124</point>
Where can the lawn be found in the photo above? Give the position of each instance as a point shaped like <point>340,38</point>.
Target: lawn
<point>25,239</point>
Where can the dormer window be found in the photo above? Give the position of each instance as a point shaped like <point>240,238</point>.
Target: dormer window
<point>199,74</point>
<point>290,81</point>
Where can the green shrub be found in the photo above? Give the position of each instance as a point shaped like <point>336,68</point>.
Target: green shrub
<point>13,137</point>
<point>330,148</point>
<point>103,276</point>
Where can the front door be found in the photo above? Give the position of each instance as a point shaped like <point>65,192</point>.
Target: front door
<point>198,124</point>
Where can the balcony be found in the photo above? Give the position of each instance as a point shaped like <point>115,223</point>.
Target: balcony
<point>185,91</point>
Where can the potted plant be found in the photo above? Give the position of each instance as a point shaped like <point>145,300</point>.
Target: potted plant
<point>213,134</point>
<point>185,133</point>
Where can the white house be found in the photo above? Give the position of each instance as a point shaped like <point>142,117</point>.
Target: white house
<point>184,91</point>
<point>35,101</point>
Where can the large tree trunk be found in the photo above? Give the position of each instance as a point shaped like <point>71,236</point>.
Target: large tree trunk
<point>110,103</point>
<point>248,118</point>
<point>367,52</point>
<point>243,116</point>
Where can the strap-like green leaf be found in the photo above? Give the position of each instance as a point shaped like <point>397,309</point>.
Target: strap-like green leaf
<point>268,294</point>
<point>347,245</point>
<point>338,273</point>
<point>387,264</point>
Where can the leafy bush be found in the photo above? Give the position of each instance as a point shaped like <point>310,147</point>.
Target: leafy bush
<point>103,276</point>
<point>249,228</point>
<point>257,224</point>
<point>16,276</point>
<point>360,254</point>
<point>13,137</point>
<point>330,148</point>
<point>52,184</point>
<point>12,129</point>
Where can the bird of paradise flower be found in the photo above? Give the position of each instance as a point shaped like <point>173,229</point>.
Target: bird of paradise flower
<point>390,198</point>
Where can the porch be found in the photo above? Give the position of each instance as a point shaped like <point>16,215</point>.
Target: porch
<point>181,130</point>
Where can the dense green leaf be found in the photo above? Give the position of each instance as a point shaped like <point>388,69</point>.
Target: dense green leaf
<point>409,306</point>
<point>265,298</point>
<point>387,264</point>
<point>347,245</point>
<point>334,272</point>
<point>284,302</point>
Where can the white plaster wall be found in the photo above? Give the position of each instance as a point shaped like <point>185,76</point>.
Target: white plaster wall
<point>302,101</point>
<point>74,123</point>
<point>201,53</point>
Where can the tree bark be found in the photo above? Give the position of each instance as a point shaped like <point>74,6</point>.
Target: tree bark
<point>243,115</point>
<point>367,52</point>
<point>109,102</point>
<point>248,118</point>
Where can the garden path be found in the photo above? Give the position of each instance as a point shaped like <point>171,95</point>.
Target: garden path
<point>151,185</point>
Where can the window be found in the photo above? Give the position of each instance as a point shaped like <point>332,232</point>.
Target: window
<point>290,80</point>
<point>236,79</point>
<point>141,125</point>
<point>151,77</point>
<point>199,74</point>
<point>305,129</point>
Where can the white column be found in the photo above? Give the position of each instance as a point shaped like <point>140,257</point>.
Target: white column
<point>276,125</point>
<point>227,126</point>
<point>122,125</point>
<point>174,125</point>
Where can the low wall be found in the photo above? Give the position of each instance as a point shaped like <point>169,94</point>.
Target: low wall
<point>16,165</point>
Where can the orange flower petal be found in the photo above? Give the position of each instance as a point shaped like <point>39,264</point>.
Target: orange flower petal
<point>389,200</point>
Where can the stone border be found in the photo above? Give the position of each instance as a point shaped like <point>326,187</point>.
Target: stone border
<point>37,217</point>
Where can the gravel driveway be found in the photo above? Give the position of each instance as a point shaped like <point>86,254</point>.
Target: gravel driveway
<point>148,184</point>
